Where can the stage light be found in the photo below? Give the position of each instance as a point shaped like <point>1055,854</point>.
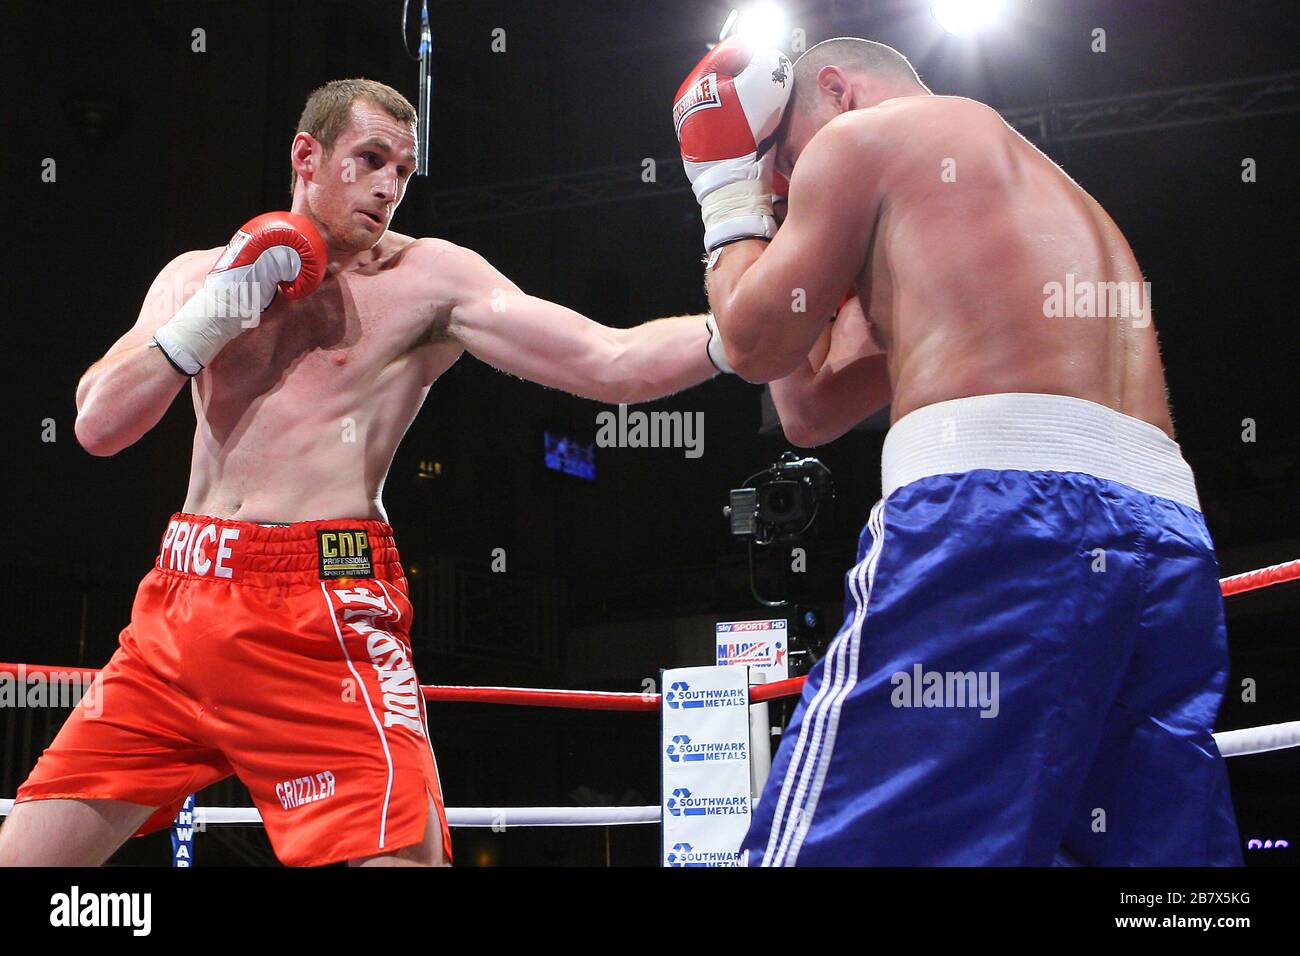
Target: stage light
<point>960,17</point>
<point>763,24</point>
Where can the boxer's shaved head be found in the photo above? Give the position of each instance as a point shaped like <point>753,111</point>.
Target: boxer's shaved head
<point>835,76</point>
<point>855,56</point>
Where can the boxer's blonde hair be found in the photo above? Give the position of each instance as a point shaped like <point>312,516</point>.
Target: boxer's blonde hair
<point>854,55</point>
<point>329,108</point>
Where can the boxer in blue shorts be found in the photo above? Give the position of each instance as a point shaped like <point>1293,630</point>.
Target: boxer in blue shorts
<point>1033,654</point>
<point>1031,660</point>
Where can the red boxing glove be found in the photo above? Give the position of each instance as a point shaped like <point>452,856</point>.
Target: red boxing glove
<point>277,250</point>
<point>282,249</point>
<point>727,106</point>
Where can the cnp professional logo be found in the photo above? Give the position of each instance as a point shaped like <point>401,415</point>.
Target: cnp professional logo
<point>344,554</point>
<point>680,696</point>
<point>682,750</point>
<point>683,854</point>
<point>683,803</point>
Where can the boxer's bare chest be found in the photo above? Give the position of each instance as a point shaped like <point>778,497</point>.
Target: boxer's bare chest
<point>337,340</point>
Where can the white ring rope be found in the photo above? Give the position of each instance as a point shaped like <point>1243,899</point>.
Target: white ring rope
<point>1258,740</point>
<point>480,816</point>
<point>1232,743</point>
<point>463,816</point>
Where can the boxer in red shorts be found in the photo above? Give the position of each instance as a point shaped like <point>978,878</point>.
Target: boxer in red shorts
<point>244,640</point>
<point>270,640</point>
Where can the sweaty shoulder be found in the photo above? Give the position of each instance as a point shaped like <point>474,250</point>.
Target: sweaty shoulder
<point>854,128</point>
<point>948,118</point>
<point>868,141</point>
<point>442,259</point>
<point>450,274</point>
<point>909,133</point>
<point>853,155</point>
<point>195,262</point>
<point>837,146</point>
<point>181,278</point>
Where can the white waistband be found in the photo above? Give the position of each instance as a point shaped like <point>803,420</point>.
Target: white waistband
<point>1019,431</point>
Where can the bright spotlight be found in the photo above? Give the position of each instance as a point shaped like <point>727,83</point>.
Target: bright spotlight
<point>763,24</point>
<point>960,17</point>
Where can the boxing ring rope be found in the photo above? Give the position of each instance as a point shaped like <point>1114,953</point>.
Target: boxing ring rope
<point>1258,740</point>
<point>537,697</point>
<point>461,816</point>
<point>1231,743</point>
<point>1264,577</point>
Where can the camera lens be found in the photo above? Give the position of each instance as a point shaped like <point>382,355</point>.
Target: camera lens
<point>781,503</point>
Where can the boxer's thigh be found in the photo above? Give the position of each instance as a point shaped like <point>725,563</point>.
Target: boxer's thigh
<point>325,724</point>
<point>1157,794</point>
<point>999,602</point>
<point>132,742</point>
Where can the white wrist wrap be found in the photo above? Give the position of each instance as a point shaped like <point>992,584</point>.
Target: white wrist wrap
<point>194,335</point>
<point>228,303</point>
<point>740,210</point>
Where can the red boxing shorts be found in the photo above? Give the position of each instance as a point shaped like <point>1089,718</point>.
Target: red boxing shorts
<point>282,655</point>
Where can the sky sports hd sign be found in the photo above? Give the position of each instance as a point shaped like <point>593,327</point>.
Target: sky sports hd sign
<point>763,645</point>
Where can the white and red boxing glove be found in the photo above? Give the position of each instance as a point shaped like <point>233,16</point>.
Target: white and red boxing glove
<point>716,351</point>
<point>728,105</point>
<point>276,251</point>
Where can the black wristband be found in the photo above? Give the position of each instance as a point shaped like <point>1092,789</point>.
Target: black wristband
<point>710,254</point>
<point>155,344</point>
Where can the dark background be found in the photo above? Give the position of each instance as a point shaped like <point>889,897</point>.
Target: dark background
<point>160,149</point>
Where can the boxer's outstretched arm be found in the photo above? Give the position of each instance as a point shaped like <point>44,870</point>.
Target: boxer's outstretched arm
<point>552,345</point>
<point>771,300</point>
<point>128,391</point>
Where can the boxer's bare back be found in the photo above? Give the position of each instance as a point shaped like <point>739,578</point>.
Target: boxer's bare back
<point>952,229</point>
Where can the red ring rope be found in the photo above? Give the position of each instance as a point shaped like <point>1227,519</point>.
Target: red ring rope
<point>569,699</point>
<point>609,700</point>
<point>1251,580</point>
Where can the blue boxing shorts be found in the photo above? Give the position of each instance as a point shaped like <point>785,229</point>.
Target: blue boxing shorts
<point>1031,661</point>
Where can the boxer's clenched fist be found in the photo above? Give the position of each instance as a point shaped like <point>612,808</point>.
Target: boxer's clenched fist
<point>274,251</point>
<point>728,105</point>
